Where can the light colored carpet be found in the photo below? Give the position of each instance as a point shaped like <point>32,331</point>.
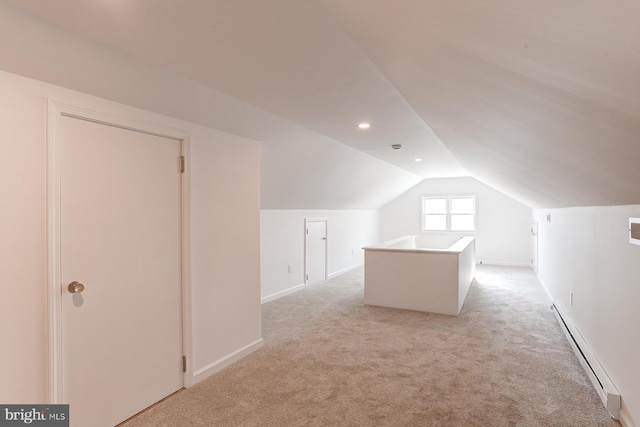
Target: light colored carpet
<point>329,360</point>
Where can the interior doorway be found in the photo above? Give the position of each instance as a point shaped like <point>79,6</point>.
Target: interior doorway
<point>534,246</point>
<point>117,276</point>
<point>315,250</point>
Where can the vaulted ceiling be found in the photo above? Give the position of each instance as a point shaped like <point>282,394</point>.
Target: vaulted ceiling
<point>538,99</point>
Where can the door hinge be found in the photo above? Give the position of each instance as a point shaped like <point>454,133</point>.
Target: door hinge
<point>184,363</point>
<point>181,164</point>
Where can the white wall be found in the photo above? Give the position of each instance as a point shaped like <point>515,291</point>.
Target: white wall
<point>350,178</point>
<point>503,235</point>
<point>225,231</point>
<point>282,244</point>
<point>587,251</point>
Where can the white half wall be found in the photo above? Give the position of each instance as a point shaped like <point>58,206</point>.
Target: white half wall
<point>504,224</point>
<point>225,269</point>
<point>282,245</point>
<point>586,251</point>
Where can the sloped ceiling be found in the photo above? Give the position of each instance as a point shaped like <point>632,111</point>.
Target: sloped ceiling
<point>538,99</point>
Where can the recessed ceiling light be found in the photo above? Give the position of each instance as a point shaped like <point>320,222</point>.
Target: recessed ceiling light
<point>364,125</point>
<point>418,160</point>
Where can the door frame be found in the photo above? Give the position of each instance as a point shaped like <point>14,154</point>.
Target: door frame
<point>326,246</point>
<point>55,111</point>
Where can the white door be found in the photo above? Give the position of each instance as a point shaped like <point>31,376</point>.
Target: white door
<point>534,246</point>
<point>121,239</point>
<point>316,252</point>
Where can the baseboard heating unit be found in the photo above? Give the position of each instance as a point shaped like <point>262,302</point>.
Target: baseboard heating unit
<point>604,387</point>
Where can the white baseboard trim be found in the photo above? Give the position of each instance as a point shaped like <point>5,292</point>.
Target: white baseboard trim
<point>225,361</point>
<point>344,270</point>
<point>546,290</point>
<point>281,294</point>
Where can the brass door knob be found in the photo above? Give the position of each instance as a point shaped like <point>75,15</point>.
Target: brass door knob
<point>76,287</point>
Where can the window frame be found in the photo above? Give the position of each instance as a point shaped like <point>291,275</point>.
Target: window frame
<point>448,214</point>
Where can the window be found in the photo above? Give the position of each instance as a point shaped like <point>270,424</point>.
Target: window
<point>449,213</point>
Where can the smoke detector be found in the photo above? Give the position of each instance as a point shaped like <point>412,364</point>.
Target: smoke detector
<point>396,146</point>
